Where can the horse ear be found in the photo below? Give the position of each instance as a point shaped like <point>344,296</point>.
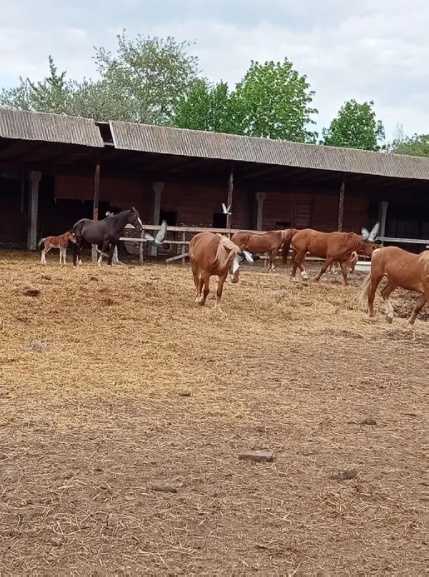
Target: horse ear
<point>133,208</point>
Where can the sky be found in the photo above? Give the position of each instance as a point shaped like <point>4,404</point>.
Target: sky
<point>368,50</point>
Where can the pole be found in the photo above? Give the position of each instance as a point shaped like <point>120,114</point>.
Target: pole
<point>229,199</point>
<point>341,206</point>
<point>95,205</point>
<point>33,210</point>
<point>260,197</point>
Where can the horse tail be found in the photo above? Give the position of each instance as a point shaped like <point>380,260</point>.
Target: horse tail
<point>41,241</point>
<point>288,234</point>
<point>363,295</point>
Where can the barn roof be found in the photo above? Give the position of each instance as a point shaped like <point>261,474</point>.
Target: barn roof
<point>199,144</point>
<point>27,127</point>
<point>42,127</point>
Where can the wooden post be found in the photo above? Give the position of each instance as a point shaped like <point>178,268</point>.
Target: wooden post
<point>141,248</point>
<point>22,193</point>
<point>95,205</point>
<point>33,209</point>
<point>183,247</point>
<point>341,206</point>
<point>158,187</point>
<point>260,197</point>
<point>382,216</point>
<point>229,199</point>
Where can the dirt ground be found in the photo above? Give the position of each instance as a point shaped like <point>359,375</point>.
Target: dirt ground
<point>124,407</point>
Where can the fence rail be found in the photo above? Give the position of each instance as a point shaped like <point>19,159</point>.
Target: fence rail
<point>182,234</point>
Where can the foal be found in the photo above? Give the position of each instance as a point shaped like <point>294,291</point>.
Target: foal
<point>61,242</point>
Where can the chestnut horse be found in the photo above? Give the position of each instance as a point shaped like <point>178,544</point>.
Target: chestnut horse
<point>402,269</point>
<point>213,255</point>
<point>334,247</point>
<point>270,242</point>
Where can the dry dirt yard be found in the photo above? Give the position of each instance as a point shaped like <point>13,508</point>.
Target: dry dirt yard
<point>124,407</point>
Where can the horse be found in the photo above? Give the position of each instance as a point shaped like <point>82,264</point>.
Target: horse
<point>270,242</point>
<point>402,269</point>
<point>61,242</point>
<point>108,231</point>
<point>334,247</point>
<point>213,255</point>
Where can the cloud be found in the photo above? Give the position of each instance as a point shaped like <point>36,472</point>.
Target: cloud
<point>367,50</point>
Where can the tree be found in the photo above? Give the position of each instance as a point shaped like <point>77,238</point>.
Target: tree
<point>141,82</point>
<point>416,145</point>
<point>355,126</point>
<point>146,77</point>
<point>53,94</point>
<point>207,107</point>
<point>273,100</point>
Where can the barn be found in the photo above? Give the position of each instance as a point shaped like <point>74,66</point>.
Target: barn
<point>55,169</point>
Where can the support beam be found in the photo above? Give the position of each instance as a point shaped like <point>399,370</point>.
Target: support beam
<point>260,197</point>
<point>230,197</point>
<point>33,210</point>
<point>382,216</point>
<point>95,205</point>
<point>341,206</point>
<point>157,187</point>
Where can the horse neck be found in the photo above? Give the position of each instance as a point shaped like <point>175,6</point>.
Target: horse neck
<point>120,219</point>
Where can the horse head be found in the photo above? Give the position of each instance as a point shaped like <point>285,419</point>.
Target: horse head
<point>134,218</point>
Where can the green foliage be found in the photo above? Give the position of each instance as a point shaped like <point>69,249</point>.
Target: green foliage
<point>53,94</point>
<point>273,100</point>
<point>355,126</point>
<point>417,145</point>
<point>146,78</point>
<point>207,107</point>
<point>141,82</point>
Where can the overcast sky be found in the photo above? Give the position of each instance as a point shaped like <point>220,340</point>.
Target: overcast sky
<point>371,49</point>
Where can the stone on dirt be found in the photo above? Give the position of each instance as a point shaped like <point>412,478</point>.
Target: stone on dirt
<point>31,292</point>
<point>163,488</point>
<point>262,456</point>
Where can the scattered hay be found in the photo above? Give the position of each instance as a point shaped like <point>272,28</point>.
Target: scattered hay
<point>91,428</point>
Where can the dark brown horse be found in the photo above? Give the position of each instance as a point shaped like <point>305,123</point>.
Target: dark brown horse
<point>106,232</point>
<point>402,269</point>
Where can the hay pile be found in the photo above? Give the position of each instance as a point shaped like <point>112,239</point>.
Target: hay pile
<point>124,408</point>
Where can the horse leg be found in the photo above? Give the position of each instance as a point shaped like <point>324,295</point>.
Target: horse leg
<point>76,253</point>
<point>328,262</point>
<point>298,259</point>
<point>373,283</point>
<point>43,256</point>
<point>385,293</point>
<point>343,266</point>
<point>419,305</point>
<point>272,256</point>
<point>204,288</point>
<point>220,283</point>
<point>196,277</point>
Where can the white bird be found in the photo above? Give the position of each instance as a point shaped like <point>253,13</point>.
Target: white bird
<point>225,209</point>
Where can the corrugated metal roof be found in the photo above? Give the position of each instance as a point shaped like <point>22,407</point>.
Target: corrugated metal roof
<point>39,126</point>
<point>181,142</point>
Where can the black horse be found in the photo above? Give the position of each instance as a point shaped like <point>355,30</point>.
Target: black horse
<point>108,231</point>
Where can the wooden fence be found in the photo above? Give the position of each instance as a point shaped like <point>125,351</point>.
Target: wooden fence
<point>179,237</point>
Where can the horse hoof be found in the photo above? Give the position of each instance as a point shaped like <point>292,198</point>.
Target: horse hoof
<point>389,320</point>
